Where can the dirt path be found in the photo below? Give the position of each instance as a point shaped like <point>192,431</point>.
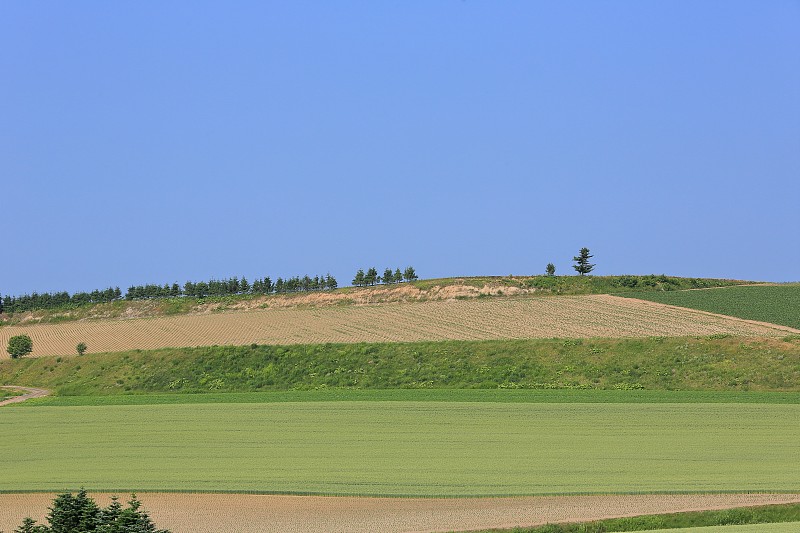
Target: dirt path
<point>29,393</point>
<point>249,513</point>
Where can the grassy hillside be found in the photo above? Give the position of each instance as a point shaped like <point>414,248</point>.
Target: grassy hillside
<point>690,363</point>
<point>778,304</point>
<point>422,290</point>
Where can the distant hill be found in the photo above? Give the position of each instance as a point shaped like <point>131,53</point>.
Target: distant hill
<point>422,290</point>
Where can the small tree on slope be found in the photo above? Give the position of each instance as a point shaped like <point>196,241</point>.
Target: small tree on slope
<point>19,345</point>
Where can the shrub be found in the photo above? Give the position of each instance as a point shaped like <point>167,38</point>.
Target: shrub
<point>19,345</point>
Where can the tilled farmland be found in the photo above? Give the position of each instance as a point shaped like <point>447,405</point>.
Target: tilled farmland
<point>246,513</point>
<point>474,319</point>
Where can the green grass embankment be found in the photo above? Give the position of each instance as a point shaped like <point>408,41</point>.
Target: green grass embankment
<point>682,363</point>
<point>425,395</point>
<point>784,518</point>
<point>777,304</point>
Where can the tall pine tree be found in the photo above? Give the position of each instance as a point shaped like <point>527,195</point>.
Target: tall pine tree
<point>582,265</point>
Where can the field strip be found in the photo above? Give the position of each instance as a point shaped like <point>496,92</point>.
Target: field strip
<point>780,327</point>
<point>414,449</point>
<point>244,513</point>
<point>509,318</point>
<point>30,393</point>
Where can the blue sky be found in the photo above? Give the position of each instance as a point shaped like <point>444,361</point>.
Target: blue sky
<point>171,141</point>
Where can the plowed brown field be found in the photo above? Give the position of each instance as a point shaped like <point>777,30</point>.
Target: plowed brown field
<point>245,513</point>
<point>499,318</point>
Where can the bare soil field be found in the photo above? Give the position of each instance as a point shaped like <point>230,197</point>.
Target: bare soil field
<point>475,319</point>
<point>243,513</point>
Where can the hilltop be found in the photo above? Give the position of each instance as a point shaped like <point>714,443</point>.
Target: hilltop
<point>416,291</point>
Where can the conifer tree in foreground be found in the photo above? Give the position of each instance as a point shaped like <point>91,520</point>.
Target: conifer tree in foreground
<point>80,513</point>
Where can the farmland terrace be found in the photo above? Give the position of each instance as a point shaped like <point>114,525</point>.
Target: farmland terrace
<point>471,319</point>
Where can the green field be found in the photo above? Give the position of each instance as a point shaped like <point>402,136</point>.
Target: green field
<point>425,395</point>
<point>685,363</point>
<point>769,518</point>
<point>789,527</point>
<point>777,304</point>
<point>403,448</point>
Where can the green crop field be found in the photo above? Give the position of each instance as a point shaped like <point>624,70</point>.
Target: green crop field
<point>751,519</point>
<point>403,448</point>
<point>788,527</point>
<point>777,304</point>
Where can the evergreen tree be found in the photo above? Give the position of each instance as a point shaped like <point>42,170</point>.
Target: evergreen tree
<point>359,280</point>
<point>188,289</point>
<point>80,514</point>
<point>398,276</point>
<point>73,513</point>
<point>244,285</point>
<point>201,289</point>
<point>371,277</point>
<point>29,526</point>
<point>582,265</point>
<point>330,282</point>
<point>550,270</point>
<point>410,274</point>
<point>388,276</point>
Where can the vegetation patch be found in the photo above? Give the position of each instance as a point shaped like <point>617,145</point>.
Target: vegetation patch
<point>685,363</point>
<point>777,304</point>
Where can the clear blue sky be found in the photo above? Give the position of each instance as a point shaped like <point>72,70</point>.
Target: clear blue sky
<point>172,141</point>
